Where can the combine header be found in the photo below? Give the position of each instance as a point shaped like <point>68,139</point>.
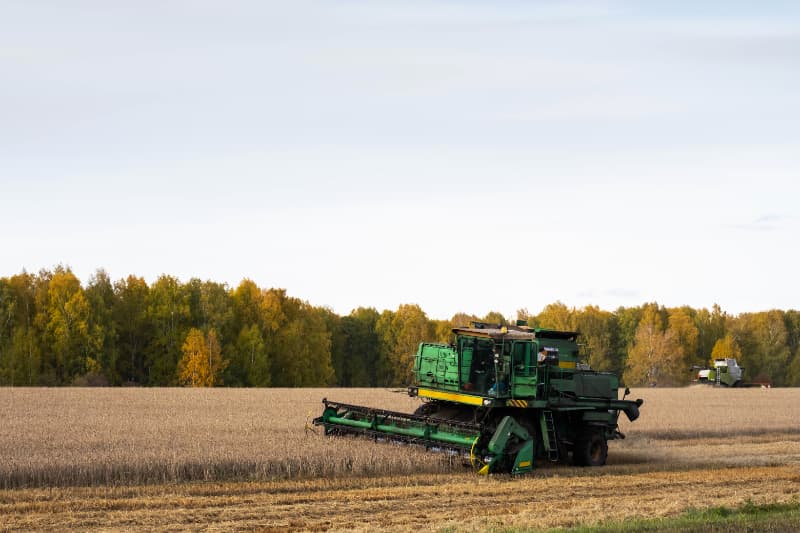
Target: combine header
<point>503,395</point>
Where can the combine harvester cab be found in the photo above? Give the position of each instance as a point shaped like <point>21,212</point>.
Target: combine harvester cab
<point>504,396</point>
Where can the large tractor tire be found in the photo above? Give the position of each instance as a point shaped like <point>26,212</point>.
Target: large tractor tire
<point>426,409</point>
<point>591,449</point>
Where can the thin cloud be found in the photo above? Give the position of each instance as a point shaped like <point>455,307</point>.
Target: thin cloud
<point>768,222</point>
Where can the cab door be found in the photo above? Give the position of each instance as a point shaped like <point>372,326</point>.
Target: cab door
<point>523,370</point>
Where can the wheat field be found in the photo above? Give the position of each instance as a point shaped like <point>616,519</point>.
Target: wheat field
<point>82,436</point>
<point>230,459</point>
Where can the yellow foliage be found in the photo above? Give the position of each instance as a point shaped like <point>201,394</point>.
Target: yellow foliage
<point>202,363</point>
<point>726,348</point>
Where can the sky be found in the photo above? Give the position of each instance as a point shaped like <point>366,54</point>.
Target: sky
<point>463,156</point>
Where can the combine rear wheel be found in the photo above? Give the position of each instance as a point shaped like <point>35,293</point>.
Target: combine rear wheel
<point>591,449</point>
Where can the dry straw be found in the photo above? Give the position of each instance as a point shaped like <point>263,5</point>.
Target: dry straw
<point>62,437</point>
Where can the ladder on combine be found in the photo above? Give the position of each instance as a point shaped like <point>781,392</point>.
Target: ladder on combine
<point>552,440</point>
<point>718,377</point>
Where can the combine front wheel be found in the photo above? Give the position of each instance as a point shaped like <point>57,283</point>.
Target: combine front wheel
<point>591,449</point>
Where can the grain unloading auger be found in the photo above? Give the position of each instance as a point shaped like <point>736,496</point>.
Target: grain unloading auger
<point>504,396</point>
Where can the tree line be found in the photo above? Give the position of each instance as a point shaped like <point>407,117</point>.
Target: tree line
<point>55,331</point>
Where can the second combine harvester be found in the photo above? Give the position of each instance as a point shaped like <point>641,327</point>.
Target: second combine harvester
<point>505,395</point>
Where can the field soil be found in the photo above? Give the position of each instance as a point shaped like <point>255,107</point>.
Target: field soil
<point>176,459</point>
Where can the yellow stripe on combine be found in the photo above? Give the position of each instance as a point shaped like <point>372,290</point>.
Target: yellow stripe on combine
<point>523,464</point>
<point>450,396</point>
<point>567,364</point>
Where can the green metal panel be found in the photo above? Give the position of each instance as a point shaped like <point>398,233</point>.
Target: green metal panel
<point>509,431</point>
<point>563,385</point>
<point>523,462</point>
<point>436,365</point>
<point>603,417</point>
<point>595,385</point>
<point>524,387</point>
<point>466,364</point>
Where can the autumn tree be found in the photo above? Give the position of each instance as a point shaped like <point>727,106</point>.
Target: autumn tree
<point>494,317</point>
<point>598,331</point>
<point>711,327</point>
<point>443,331</point>
<point>682,324</point>
<point>202,363</point>
<point>400,333</point>
<point>764,342</point>
<point>772,341</point>
<point>556,316</point>
<point>726,348</point>
<point>247,298</point>
<point>463,320</point>
<point>66,319</point>
<point>656,356</point>
<point>54,331</point>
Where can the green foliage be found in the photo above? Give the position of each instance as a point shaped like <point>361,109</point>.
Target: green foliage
<point>598,331</point>
<point>299,342</point>
<point>711,326</point>
<point>103,352</point>
<point>134,328</point>
<point>399,335</point>
<point>361,349</point>
<point>169,315</point>
<point>793,372</point>
<point>252,358</point>
<point>628,319</point>
<point>54,331</point>
<point>764,341</point>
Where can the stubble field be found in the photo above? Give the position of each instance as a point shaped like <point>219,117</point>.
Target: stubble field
<point>233,459</point>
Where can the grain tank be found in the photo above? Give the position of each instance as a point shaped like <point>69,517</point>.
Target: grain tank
<point>505,396</point>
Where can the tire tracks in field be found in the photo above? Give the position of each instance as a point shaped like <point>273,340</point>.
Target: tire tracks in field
<point>463,501</point>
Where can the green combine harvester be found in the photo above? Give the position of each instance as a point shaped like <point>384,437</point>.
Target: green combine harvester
<point>502,395</point>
